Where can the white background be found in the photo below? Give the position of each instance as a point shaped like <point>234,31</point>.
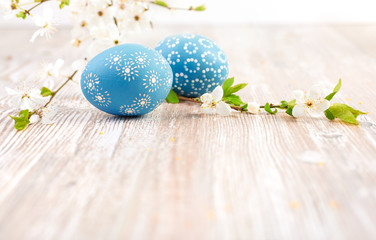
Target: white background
<point>258,12</point>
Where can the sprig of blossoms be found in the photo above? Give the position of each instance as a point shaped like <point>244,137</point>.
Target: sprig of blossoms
<point>102,23</point>
<point>309,103</point>
<point>107,23</point>
<point>99,23</point>
<point>35,103</point>
<point>212,103</point>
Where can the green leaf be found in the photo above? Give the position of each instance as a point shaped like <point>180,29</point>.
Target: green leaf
<point>64,3</point>
<point>200,8</point>
<point>234,89</point>
<point>161,3</point>
<point>345,112</point>
<point>329,115</point>
<point>284,103</point>
<point>22,120</point>
<point>21,14</point>
<point>244,107</point>
<point>172,97</point>
<point>292,102</point>
<point>45,92</point>
<point>289,110</point>
<point>233,99</point>
<point>335,90</point>
<point>267,108</point>
<point>227,84</point>
<point>288,105</point>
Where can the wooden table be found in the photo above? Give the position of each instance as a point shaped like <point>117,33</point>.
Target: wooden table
<point>177,174</point>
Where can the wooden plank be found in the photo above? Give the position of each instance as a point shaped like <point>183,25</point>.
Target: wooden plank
<point>177,174</point>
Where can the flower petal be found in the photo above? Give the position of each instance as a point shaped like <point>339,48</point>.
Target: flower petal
<point>298,111</point>
<point>223,108</point>
<point>47,13</point>
<point>34,119</point>
<point>315,92</point>
<point>26,104</point>
<point>323,105</point>
<point>218,93</point>
<point>298,94</point>
<point>207,98</point>
<point>36,34</point>
<point>58,64</point>
<point>314,112</point>
<point>206,108</point>
<point>253,107</point>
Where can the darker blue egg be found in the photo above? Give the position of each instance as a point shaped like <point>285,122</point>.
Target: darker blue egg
<point>198,64</point>
<point>127,80</point>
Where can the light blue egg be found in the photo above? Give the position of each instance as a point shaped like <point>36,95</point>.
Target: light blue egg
<point>198,64</point>
<point>127,80</point>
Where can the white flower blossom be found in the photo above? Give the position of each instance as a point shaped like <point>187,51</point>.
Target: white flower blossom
<point>50,72</point>
<point>106,37</point>
<point>253,107</point>
<point>6,9</point>
<point>27,98</point>
<point>107,23</point>
<point>46,24</point>
<point>212,103</point>
<point>310,103</point>
<point>34,118</point>
<point>79,66</point>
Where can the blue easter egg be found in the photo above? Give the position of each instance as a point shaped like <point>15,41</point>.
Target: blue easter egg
<point>127,80</point>
<point>198,64</point>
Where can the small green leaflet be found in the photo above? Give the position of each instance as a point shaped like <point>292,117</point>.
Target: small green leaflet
<point>200,8</point>
<point>335,90</point>
<point>45,92</point>
<point>21,14</point>
<point>172,97</point>
<point>235,89</point>
<point>229,96</point>
<point>284,104</point>
<point>22,120</point>
<point>343,112</point>
<point>233,99</point>
<point>288,106</point>
<point>227,84</point>
<point>244,107</point>
<point>289,111</point>
<point>64,3</point>
<point>329,115</point>
<point>161,3</point>
<point>267,108</point>
<point>228,89</point>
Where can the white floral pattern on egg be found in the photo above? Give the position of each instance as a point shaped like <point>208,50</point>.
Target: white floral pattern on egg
<point>127,80</point>
<point>198,64</point>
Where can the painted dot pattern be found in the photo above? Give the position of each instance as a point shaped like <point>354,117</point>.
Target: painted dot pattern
<point>127,80</point>
<point>198,64</point>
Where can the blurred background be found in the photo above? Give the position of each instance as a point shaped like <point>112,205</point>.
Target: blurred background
<point>256,12</point>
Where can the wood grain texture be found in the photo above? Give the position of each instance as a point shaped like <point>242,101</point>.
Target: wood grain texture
<point>177,174</point>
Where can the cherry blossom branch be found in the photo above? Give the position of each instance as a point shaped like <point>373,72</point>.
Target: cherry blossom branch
<point>35,6</point>
<point>53,94</point>
<point>223,99</point>
<point>237,108</point>
<point>25,12</point>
